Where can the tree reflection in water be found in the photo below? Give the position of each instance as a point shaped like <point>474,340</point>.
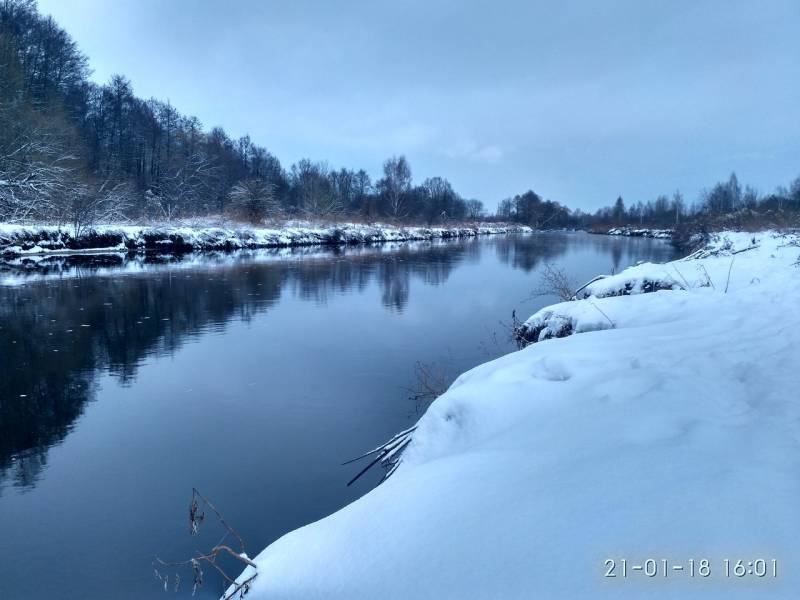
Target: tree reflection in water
<point>65,320</point>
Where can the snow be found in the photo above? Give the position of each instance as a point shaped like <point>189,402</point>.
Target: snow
<point>633,232</point>
<point>674,434</point>
<point>19,240</point>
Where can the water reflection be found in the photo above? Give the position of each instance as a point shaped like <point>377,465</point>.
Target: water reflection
<point>65,320</point>
<point>529,252</point>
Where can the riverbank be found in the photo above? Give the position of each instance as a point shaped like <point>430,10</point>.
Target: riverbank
<point>662,234</point>
<point>664,426</point>
<point>21,240</point>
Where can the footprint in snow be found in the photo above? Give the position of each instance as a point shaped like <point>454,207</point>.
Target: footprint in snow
<point>550,369</point>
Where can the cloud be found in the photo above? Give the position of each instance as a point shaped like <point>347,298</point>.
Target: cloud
<point>475,152</point>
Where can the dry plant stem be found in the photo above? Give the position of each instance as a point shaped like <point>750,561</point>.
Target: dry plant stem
<point>728,281</point>
<point>389,455</point>
<point>555,282</point>
<point>688,287</point>
<point>431,383</point>
<point>210,557</point>
<point>244,586</point>
<point>708,277</point>
<point>220,517</point>
<point>196,517</point>
<point>602,313</point>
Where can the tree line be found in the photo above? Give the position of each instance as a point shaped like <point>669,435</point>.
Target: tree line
<point>726,199</point>
<point>73,151</point>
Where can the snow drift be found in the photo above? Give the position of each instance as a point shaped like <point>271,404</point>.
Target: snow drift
<point>671,433</point>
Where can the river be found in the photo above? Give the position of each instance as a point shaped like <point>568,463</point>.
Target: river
<point>125,382</point>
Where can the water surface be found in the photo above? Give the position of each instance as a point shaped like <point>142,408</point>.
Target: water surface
<point>252,376</point>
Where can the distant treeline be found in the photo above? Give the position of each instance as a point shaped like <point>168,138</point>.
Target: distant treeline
<point>726,202</point>
<point>75,152</point>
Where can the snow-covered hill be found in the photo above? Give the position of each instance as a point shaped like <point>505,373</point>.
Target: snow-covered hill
<point>665,429</point>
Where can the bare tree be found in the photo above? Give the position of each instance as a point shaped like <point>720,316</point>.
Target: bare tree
<point>474,209</point>
<point>84,206</point>
<point>35,169</point>
<point>313,191</point>
<point>677,205</point>
<point>395,185</point>
<point>184,185</point>
<point>253,199</point>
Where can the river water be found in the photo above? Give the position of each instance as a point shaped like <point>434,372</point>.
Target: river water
<point>124,383</point>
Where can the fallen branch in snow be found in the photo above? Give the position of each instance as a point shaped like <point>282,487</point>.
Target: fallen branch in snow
<point>389,455</point>
<point>196,517</point>
<point>587,284</point>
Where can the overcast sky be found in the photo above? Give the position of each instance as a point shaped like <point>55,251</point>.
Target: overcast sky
<point>580,101</point>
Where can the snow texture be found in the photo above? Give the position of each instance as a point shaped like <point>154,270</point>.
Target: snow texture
<point>19,240</point>
<point>674,434</point>
<point>648,233</point>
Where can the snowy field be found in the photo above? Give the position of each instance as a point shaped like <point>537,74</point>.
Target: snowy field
<point>22,240</point>
<point>665,428</point>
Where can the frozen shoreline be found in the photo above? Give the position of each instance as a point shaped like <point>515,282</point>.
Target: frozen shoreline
<point>22,240</point>
<point>662,234</point>
<point>666,428</point>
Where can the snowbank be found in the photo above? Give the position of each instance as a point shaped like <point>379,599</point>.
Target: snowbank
<point>673,435</point>
<point>648,233</point>
<point>19,240</point>
<point>597,311</point>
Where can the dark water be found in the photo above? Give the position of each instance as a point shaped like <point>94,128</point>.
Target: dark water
<point>251,376</point>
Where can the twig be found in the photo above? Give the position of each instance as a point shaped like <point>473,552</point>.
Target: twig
<point>602,313</point>
<point>389,455</point>
<point>688,286</point>
<point>243,587</point>
<point>432,381</point>
<point>708,277</point>
<point>554,282</point>
<point>382,446</point>
<point>220,517</point>
<point>728,281</point>
<point>195,518</point>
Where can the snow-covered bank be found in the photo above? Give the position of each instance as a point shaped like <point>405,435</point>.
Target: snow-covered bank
<point>599,311</point>
<point>18,240</point>
<point>641,232</point>
<point>673,434</point>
